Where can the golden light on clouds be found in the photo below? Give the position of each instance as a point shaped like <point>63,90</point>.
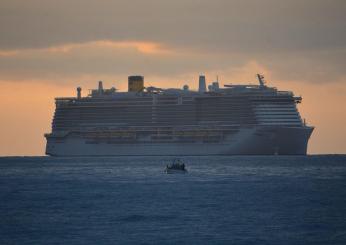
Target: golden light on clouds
<point>142,47</point>
<point>8,53</point>
<point>150,48</point>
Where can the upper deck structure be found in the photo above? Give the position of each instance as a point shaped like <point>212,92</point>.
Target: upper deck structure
<point>176,120</point>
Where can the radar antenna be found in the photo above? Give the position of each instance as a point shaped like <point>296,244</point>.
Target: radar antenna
<point>261,80</point>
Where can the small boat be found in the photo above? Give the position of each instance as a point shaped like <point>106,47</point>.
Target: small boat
<point>176,167</point>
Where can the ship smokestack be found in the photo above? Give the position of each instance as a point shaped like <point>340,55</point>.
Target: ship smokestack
<point>202,85</point>
<point>135,83</point>
<point>100,87</point>
<point>79,93</point>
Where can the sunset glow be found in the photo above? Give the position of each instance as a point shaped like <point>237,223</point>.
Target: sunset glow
<point>171,46</point>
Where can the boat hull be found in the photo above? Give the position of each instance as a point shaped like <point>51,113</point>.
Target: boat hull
<point>268,140</point>
<point>175,171</point>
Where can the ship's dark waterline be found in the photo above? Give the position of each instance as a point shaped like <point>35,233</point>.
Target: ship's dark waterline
<point>222,200</point>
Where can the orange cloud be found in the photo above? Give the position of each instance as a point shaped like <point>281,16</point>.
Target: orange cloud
<point>5,53</point>
<point>144,47</point>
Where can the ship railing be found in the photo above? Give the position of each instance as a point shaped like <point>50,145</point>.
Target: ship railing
<point>289,93</point>
<point>160,129</point>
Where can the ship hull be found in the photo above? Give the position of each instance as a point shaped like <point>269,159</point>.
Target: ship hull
<point>260,140</point>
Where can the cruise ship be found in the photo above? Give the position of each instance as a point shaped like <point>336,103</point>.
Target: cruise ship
<point>151,121</point>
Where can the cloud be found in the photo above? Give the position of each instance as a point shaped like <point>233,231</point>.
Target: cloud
<point>71,39</point>
<point>246,25</point>
<point>106,58</point>
<point>142,47</point>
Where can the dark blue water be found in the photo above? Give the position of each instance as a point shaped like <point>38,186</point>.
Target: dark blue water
<point>222,200</point>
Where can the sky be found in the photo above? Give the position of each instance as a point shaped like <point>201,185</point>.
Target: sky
<point>49,47</point>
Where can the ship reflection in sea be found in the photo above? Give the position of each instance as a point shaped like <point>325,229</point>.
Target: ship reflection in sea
<point>223,200</point>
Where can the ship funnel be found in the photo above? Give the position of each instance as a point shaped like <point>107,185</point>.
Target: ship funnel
<point>79,93</point>
<point>100,87</point>
<point>135,83</point>
<point>202,85</point>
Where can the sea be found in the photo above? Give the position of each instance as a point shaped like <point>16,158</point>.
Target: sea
<point>130,200</point>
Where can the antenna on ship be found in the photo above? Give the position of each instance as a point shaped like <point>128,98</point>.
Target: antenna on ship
<point>79,93</point>
<point>100,89</point>
<point>261,80</point>
<point>202,85</point>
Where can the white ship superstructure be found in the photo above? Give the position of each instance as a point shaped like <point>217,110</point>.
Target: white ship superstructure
<point>235,119</point>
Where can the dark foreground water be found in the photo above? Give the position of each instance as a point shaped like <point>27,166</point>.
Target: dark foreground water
<point>222,200</point>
